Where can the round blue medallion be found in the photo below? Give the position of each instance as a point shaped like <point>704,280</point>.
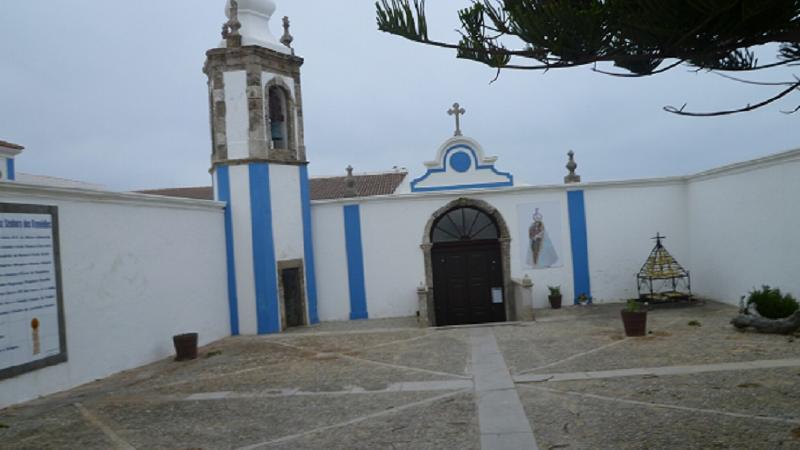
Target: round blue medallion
<point>460,162</point>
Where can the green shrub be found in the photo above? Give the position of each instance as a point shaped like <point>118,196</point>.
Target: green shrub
<point>771,303</point>
<point>633,305</point>
<point>554,290</point>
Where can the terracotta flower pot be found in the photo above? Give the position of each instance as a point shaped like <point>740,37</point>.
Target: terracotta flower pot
<point>635,322</point>
<point>185,346</point>
<point>555,301</point>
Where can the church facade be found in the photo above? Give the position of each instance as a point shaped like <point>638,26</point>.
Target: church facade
<point>459,242</point>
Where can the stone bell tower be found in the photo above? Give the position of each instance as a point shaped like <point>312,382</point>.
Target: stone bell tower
<point>258,163</point>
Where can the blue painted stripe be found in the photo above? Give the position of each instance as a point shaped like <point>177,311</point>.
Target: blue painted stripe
<point>580,244</point>
<point>264,270</point>
<point>10,173</point>
<point>355,262</point>
<point>224,195</point>
<point>308,248</point>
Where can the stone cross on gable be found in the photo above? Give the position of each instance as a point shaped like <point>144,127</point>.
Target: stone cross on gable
<point>457,111</point>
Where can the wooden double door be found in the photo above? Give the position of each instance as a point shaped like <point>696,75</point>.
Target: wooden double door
<point>468,282</point>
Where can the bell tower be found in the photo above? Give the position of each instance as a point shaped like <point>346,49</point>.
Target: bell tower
<point>259,167</point>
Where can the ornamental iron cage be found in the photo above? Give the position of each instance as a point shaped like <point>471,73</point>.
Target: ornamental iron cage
<point>661,279</point>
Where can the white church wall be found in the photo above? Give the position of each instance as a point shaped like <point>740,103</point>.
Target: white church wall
<point>136,270</point>
<point>3,168</point>
<point>333,293</point>
<point>621,219</point>
<point>237,117</point>
<point>743,227</point>
<point>243,248</point>
<point>287,225</point>
<point>392,231</point>
<point>704,218</point>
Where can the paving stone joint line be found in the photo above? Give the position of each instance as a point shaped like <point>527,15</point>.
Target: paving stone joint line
<point>665,406</point>
<point>107,431</point>
<point>352,421</point>
<point>659,371</point>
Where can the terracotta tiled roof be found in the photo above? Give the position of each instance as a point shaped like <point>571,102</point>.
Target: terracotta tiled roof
<point>327,188</point>
<point>10,145</point>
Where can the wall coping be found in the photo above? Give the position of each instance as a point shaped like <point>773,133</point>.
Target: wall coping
<point>730,169</point>
<point>101,196</point>
<point>746,166</point>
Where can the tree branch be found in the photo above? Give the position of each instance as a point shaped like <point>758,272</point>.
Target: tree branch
<point>757,83</point>
<point>681,112</point>
<point>639,75</point>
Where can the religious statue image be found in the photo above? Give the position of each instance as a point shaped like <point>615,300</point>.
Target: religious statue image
<point>542,228</point>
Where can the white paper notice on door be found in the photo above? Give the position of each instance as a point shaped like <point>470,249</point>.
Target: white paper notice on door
<point>497,295</point>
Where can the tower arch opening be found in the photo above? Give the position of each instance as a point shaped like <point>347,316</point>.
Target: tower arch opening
<point>278,102</point>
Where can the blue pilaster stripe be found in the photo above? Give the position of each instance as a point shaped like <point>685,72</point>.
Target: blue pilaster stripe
<point>264,269</point>
<point>308,248</point>
<point>355,262</point>
<point>224,195</point>
<point>580,244</point>
<point>10,174</point>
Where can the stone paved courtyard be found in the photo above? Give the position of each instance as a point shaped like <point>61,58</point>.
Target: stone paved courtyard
<point>571,379</point>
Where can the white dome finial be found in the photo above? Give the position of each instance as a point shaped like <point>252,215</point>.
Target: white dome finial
<point>254,16</point>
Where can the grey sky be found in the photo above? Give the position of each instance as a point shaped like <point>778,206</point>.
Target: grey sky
<point>112,92</point>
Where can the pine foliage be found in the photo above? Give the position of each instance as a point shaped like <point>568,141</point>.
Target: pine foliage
<point>639,37</point>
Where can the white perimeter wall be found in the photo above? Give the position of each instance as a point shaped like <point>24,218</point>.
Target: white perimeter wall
<point>734,228</point>
<point>136,270</point>
<point>744,224</point>
<point>392,231</point>
<point>620,222</point>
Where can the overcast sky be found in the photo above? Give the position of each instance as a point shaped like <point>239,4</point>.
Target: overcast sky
<point>112,92</point>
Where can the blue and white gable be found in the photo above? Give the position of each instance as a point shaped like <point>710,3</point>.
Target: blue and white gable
<point>461,164</point>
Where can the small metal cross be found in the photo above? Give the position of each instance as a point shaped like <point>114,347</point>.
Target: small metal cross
<point>658,239</point>
<point>457,111</point>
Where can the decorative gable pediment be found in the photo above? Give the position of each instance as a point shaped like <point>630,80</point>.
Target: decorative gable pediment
<point>461,164</point>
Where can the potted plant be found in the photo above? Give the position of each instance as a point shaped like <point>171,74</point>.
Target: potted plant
<point>634,319</point>
<point>555,296</point>
<point>584,300</point>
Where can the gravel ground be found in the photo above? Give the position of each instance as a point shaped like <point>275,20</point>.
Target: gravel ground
<point>387,384</point>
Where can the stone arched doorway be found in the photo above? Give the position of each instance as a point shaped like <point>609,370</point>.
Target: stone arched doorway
<point>466,246</point>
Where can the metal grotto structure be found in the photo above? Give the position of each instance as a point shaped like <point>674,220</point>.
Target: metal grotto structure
<point>661,278</point>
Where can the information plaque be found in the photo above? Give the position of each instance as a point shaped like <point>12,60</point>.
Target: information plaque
<point>32,332</point>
